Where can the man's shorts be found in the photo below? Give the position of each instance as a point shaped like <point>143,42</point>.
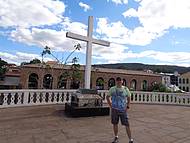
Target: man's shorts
<point>115,115</point>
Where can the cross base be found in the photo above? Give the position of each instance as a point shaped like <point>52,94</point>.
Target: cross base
<point>86,112</point>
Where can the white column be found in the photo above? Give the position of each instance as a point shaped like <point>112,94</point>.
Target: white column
<point>88,54</point>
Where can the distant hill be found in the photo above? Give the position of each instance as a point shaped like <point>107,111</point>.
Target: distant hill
<point>141,67</point>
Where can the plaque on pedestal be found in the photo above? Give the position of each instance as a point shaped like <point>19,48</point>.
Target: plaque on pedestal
<point>86,102</point>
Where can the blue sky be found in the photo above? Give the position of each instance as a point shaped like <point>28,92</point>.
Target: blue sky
<point>143,31</point>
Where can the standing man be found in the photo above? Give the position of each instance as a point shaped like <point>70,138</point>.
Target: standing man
<point>119,107</point>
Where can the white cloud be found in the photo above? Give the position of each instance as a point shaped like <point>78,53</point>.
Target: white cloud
<point>44,37</point>
<point>20,57</point>
<point>25,13</point>
<point>116,32</point>
<point>84,6</point>
<point>75,27</point>
<point>174,58</point>
<point>119,1</point>
<point>113,54</point>
<point>118,53</point>
<point>155,19</point>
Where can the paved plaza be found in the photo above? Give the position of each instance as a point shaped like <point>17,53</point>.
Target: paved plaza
<point>48,124</point>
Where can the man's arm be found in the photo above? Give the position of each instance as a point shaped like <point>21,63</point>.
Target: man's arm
<point>128,101</point>
<point>108,101</point>
<point>128,98</point>
<point>108,98</point>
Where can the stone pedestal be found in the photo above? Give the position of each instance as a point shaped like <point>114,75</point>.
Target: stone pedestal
<point>86,102</point>
<point>86,112</point>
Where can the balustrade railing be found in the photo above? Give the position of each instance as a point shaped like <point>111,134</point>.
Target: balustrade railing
<point>13,98</point>
<point>161,98</point>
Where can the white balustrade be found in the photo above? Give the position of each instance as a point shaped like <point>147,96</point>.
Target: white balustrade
<point>13,98</point>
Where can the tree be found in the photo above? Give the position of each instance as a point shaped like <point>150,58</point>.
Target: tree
<point>77,47</point>
<point>74,74</point>
<point>47,50</point>
<point>34,61</point>
<point>159,88</point>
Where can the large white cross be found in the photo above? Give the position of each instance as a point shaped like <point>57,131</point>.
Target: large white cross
<point>89,41</point>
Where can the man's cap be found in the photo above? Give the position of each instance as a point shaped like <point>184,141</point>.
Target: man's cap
<point>118,79</point>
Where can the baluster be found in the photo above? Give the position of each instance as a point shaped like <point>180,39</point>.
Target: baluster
<point>140,97</point>
<point>26,98</point>
<point>162,98</point>
<point>137,97</point>
<point>171,99</point>
<point>143,97</point>
<point>165,98</point>
<point>56,97</point>
<point>43,97</point>
<point>64,95</point>
<point>19,101</point>
<point>178,100</point>
<point>38,98</point>
<point>5,100</point>
<point>155,98</point>
<point>61,97</point>
<point>11,96</point>
<point>184,100</point>
<point>67,97</point>
<point>70,94</point>
<point>31,95</point>
<point>147,98</point>
<point>51,97</point>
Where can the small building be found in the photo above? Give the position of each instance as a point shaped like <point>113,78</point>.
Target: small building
<point>169,79</point>
<point>174,78</point>
<point>166,78</point>
<point>11,79</point>
<point>184,83</point>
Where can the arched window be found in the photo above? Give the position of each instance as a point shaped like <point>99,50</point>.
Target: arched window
<point>124,82</point>
<point>33,81</point>
<point>62,83</point>
<point>183,80</point>
<point>133,84</point>
<point>187,89</point>
<point>75,84</point>
<point>48,81</point>
<point>179,80</point>
<point>100,83</point>
<point>144,85</point>
<point>187,81</point>
<point>111,82</point>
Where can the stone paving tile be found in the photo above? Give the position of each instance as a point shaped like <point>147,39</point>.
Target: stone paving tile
<point>48,124</point>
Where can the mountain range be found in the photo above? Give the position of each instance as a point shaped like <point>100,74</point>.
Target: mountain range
<point>142,67</point>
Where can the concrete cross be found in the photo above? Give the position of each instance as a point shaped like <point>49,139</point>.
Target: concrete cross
<point>89,41</point>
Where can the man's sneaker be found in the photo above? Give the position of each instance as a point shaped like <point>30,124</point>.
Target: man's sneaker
<point>131,141</point>
<point>116,140</point>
